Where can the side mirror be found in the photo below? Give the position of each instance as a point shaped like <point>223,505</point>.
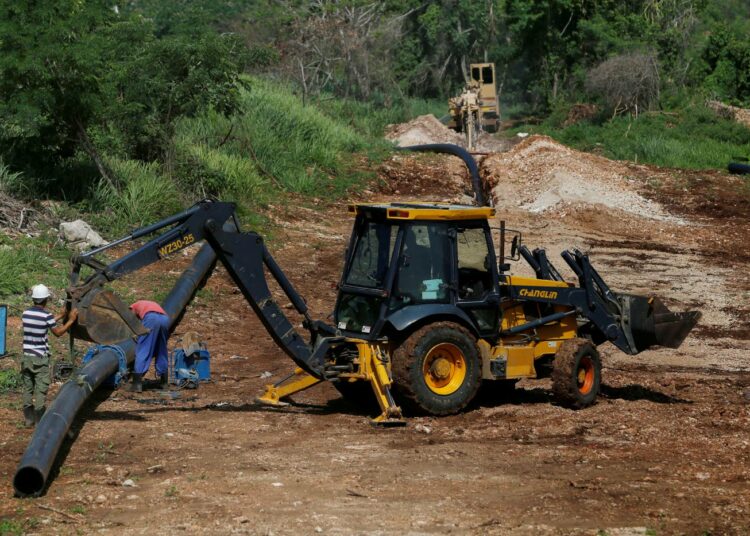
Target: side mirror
<point>514,247</point>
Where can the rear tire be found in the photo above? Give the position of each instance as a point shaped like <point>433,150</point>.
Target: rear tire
<point>437,370</point>
<point>576,374</point>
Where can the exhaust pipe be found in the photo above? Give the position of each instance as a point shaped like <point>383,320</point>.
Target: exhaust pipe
<point>32,475</point>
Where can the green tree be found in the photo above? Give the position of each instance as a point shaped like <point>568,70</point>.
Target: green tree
<point>79,80</point>
<point>52,56</point>
<point>440,40</point>
<point>172,77</point>
<point>727,66</point>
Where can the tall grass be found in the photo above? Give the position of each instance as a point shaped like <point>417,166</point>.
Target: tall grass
<point>25,262</point>
<point>276,144</point>
<point>12,182</point>
<point>145,194</point>
<point>692,137</point>
<point>371,118</point>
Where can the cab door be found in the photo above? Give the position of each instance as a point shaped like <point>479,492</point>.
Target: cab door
<point>476,280</point>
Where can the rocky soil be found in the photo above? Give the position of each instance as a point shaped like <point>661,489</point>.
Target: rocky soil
<point>666,450</point>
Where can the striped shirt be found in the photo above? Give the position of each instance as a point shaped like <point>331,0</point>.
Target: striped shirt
<point>36,322</point>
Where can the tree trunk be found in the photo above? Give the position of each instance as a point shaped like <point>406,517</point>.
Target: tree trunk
<point>90,150</point>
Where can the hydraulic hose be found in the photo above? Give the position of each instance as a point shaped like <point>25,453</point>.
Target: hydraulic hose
<point>464,155</point>
<point>31,477</point>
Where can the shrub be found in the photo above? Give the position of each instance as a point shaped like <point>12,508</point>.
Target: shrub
<point>12,182</point>
<point>10,380</point>
<point>627,83</point>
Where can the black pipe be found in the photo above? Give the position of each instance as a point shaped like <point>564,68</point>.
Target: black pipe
<point>738,169</point>
<point>463,154</point>
<point>33,470</point>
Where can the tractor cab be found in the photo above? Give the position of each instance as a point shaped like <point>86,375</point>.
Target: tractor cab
<point>410,262</point>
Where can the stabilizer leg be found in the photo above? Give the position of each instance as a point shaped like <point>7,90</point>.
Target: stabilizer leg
<point>298,381</point>
<point>373,363</point>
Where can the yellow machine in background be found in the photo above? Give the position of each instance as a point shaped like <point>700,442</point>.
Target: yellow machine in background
<point>477,108</point>
<point>483,74</point>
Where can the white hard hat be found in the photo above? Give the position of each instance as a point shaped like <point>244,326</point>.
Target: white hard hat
<point>39,292</point>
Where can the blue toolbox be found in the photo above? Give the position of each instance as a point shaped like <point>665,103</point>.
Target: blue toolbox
<point>194,367</point>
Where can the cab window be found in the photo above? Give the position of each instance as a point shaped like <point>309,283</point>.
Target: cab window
<point>372,254</point>
<point>487,77</point>
<point>424,266</point>
<point>474,275</point>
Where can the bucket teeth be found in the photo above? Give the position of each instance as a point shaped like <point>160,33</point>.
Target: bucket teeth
<point>651,323</point>
<point>672,328</point>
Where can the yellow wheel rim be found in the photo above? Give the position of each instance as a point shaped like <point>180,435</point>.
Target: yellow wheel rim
<point>444,368</point>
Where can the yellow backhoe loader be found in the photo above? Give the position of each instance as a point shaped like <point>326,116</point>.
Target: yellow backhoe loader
<point>426,309</point>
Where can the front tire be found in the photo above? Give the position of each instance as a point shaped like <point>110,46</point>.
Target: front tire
<point>576,373</point>
<point>437,370</point>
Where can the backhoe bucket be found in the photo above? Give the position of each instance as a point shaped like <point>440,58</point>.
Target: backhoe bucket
<point>648,322</point>
<point>104,319</point>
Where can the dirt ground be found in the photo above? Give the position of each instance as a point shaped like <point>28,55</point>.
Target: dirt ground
<point>666,450</point>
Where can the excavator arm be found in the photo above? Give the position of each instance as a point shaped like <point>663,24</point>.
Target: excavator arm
<point>105,319</point>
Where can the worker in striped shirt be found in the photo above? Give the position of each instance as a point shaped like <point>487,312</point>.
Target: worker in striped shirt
<point>37,321</point>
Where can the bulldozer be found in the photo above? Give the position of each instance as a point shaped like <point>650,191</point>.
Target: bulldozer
<point>426,310</point>
<point>477,108</point>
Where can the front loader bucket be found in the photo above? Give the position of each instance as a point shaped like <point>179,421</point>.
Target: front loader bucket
<point>648,322</point>
<point>104,319</point>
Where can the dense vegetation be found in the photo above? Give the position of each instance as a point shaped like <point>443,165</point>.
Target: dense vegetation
<point>692,136</point>
<point>545,49</point>
<point>130,111</point>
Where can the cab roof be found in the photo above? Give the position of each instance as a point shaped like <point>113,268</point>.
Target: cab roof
<point>423,211</point>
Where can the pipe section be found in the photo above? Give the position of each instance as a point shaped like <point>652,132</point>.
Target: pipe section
<point>33,471</point>
<point>464,155</point>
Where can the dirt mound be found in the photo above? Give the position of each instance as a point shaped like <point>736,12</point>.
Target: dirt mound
<point>428,129</point>
<point>436,177</point>
<point>422,130</point>
<point>741,115</point>
<point>580,112</point>
<point>540,174</point>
